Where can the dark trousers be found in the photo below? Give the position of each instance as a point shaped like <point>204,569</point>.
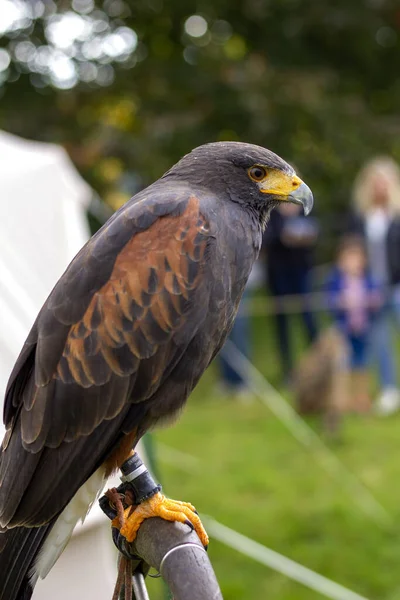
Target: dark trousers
<point>285,281</point>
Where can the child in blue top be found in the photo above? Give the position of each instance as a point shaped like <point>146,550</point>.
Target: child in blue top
<point>354,299</point>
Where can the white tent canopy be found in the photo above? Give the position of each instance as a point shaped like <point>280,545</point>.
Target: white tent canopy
<point>43,225</point>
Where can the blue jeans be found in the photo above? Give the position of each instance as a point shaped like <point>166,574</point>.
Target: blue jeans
<point>358,351</point>
<point>240,336</point>
<point>396,303</point>
<point>382,347</point>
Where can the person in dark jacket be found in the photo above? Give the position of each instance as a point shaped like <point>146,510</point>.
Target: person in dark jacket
<point>376,217</point>
<point>289,242</point>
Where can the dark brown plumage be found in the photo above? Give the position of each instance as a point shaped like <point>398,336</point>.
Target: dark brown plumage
<point>126,333</point>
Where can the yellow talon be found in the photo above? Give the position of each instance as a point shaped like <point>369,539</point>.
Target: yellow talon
<point>160,506</point>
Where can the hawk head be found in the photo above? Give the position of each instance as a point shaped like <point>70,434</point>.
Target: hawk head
<point>246,173</point>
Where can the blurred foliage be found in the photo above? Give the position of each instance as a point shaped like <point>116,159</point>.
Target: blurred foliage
<point>128,87</point>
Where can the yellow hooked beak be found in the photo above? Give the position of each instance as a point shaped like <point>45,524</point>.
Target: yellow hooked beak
<point>287,188</point>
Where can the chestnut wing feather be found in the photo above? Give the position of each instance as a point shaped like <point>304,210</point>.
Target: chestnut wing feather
<point>74,378</point>
<point>144,301</point>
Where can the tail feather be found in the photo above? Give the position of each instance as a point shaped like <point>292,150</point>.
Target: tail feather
<point>18,548</point>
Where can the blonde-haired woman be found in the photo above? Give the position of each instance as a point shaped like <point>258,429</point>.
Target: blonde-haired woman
<point>376,201</point>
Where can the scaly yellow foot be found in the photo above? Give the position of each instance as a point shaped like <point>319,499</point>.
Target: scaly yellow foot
<point>160,506</point>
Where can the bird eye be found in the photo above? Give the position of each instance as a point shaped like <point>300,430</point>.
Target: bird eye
<point>257,173</point>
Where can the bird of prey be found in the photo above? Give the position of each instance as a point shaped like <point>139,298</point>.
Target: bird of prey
<point>122,340</point>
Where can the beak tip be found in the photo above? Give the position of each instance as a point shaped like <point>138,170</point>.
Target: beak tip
<point>307,209</point>
<point>303,195</point>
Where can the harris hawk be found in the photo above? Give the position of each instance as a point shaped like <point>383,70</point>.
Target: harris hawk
<point>122,340</point>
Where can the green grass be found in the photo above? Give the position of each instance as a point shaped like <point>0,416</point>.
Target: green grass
<point>254,477</point>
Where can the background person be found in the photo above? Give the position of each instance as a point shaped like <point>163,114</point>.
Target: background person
<point>289,242</point>
<point>355,300</point>
<point>376,217</point>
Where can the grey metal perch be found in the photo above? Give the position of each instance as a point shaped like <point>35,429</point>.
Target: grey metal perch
<point>170,547</point>
<point>177,553</point>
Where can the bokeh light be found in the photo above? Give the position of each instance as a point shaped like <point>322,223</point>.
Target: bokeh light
<point>196,26</point>
<point>80,43</point>
<point>4,59</point>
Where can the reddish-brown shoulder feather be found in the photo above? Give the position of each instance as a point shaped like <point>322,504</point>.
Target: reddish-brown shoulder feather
<point>141,305</point>
<point>72,395</point>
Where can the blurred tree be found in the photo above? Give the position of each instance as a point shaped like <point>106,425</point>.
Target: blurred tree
<point>128,87</point>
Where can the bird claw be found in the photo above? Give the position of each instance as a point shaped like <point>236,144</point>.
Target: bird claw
<point>189,524</point>
<point>160,506</point>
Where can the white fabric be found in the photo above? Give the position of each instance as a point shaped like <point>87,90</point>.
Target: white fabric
<point>42,227</point>
<point>377,224</point>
